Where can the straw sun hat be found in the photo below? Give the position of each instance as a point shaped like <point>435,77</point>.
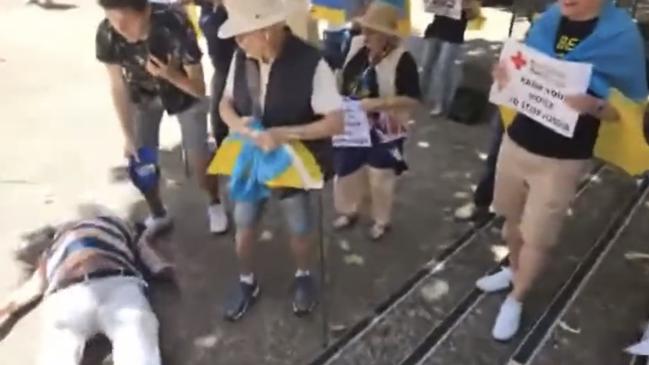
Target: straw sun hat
<point>381,17</point>
<point>246,16</point>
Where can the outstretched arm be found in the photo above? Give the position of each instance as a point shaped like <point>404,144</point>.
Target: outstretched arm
<point>25,295</point>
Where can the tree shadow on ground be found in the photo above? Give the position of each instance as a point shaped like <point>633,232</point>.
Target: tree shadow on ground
<point>54,6</point>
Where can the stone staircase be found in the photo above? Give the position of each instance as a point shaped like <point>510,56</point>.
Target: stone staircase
<point>588,306</point>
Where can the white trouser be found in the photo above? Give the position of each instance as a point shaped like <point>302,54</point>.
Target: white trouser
<point>115,307</point>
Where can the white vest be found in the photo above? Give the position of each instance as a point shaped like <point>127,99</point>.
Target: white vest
<point>386,70</point>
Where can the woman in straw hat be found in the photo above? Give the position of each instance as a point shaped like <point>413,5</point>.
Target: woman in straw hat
<point>383,75</point>
<point>280,96</point>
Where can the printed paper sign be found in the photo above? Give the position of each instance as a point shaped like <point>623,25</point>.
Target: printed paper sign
<point>538,86</point>
<point>357,126</point>
<point>449,8</point>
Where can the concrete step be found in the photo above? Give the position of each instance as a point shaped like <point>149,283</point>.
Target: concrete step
<point>471,342</point>
<point>608,311</point>
<point>440,318</point>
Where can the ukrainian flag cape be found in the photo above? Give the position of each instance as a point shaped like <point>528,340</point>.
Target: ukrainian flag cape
<point>614,49</point>
<point>254,172</point>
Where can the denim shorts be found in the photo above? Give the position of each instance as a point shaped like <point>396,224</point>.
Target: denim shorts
<point>295,207</point>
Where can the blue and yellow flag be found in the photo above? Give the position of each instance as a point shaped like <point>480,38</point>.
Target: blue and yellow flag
<point>333,11</point>
<point>337,11</point>
<point>253,172</point>
<point>618,77</point>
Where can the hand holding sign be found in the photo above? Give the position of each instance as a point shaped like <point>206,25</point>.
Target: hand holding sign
<point>448,8</point>
<point>357,126</point>
<point>536,85</point>
<point>500,75</point>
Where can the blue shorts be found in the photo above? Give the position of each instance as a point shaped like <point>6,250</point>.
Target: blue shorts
<point>296,208</point>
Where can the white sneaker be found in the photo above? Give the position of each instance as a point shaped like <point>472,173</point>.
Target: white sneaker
<point>218,218</point>
<point>508,321</point>
<point>465,212</point>
<point>156,225</point>
<point>436,111</point>
<point>641,348</point>
<point>496,282</point>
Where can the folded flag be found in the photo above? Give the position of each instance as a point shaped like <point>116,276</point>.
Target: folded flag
<point>254,172</point>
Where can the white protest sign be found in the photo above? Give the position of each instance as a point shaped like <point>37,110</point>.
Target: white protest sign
<point>449,8</point>
<point>538,86</point>
<point>357,126</point>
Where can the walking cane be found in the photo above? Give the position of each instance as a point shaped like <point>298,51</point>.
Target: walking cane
<point>634,9</point>
<point>513,19</point>
<point>323,274</point>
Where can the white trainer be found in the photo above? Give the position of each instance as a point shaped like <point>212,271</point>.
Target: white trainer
<point>508,321</point>
<point>155,225</point>
<point>496,282</point>
<point>465,212</point>
<point>218,218</point>
<point>641,348</point>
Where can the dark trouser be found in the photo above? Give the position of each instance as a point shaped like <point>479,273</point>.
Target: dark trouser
<point>484,193</point>
<point>219,128</point>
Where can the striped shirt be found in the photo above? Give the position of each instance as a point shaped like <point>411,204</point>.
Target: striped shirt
<point>109,237</point>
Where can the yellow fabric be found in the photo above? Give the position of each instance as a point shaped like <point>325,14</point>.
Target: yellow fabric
<point>477,23</point>
<point>192,14</point>
<point>405,24</point>
<point>226,157</point>
<point>333,16</point>
<point>620,143</point>
<point>291,178</point>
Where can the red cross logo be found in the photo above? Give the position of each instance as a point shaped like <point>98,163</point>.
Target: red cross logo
<point>518,60</point>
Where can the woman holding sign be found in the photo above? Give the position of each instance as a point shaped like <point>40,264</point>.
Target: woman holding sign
<point>540,165</point>
<point>383,76</point>
<point>443,47</point>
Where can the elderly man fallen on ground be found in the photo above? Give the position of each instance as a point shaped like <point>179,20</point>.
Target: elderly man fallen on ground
<point>91,275</point>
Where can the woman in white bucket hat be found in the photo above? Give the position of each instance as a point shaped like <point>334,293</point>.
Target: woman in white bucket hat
<point>282,88</point>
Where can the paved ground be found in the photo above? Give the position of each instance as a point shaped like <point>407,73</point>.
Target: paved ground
<point>61,150</point>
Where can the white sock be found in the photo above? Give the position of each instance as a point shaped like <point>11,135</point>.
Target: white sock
<point>300,273</point>
<point>247,278</point>
<point>496,282</point>
<point>509,320</point>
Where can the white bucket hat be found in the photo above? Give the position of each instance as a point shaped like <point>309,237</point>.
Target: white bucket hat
<point>246,16</point>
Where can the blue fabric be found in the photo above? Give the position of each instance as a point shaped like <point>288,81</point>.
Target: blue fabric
<point>254,167</point>
<point>615,49</point>
<point>94,243</point>
<point>388,155</point>
<point>144,172</point>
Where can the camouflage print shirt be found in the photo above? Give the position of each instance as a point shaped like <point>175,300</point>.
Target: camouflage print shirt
<point>171,37</point>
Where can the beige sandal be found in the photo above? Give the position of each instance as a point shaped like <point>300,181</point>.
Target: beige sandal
<point>378,231</point>
<point>344,221</point>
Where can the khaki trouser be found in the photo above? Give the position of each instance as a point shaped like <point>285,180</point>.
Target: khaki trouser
<point>533,193</point>
<point>379,184</point>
